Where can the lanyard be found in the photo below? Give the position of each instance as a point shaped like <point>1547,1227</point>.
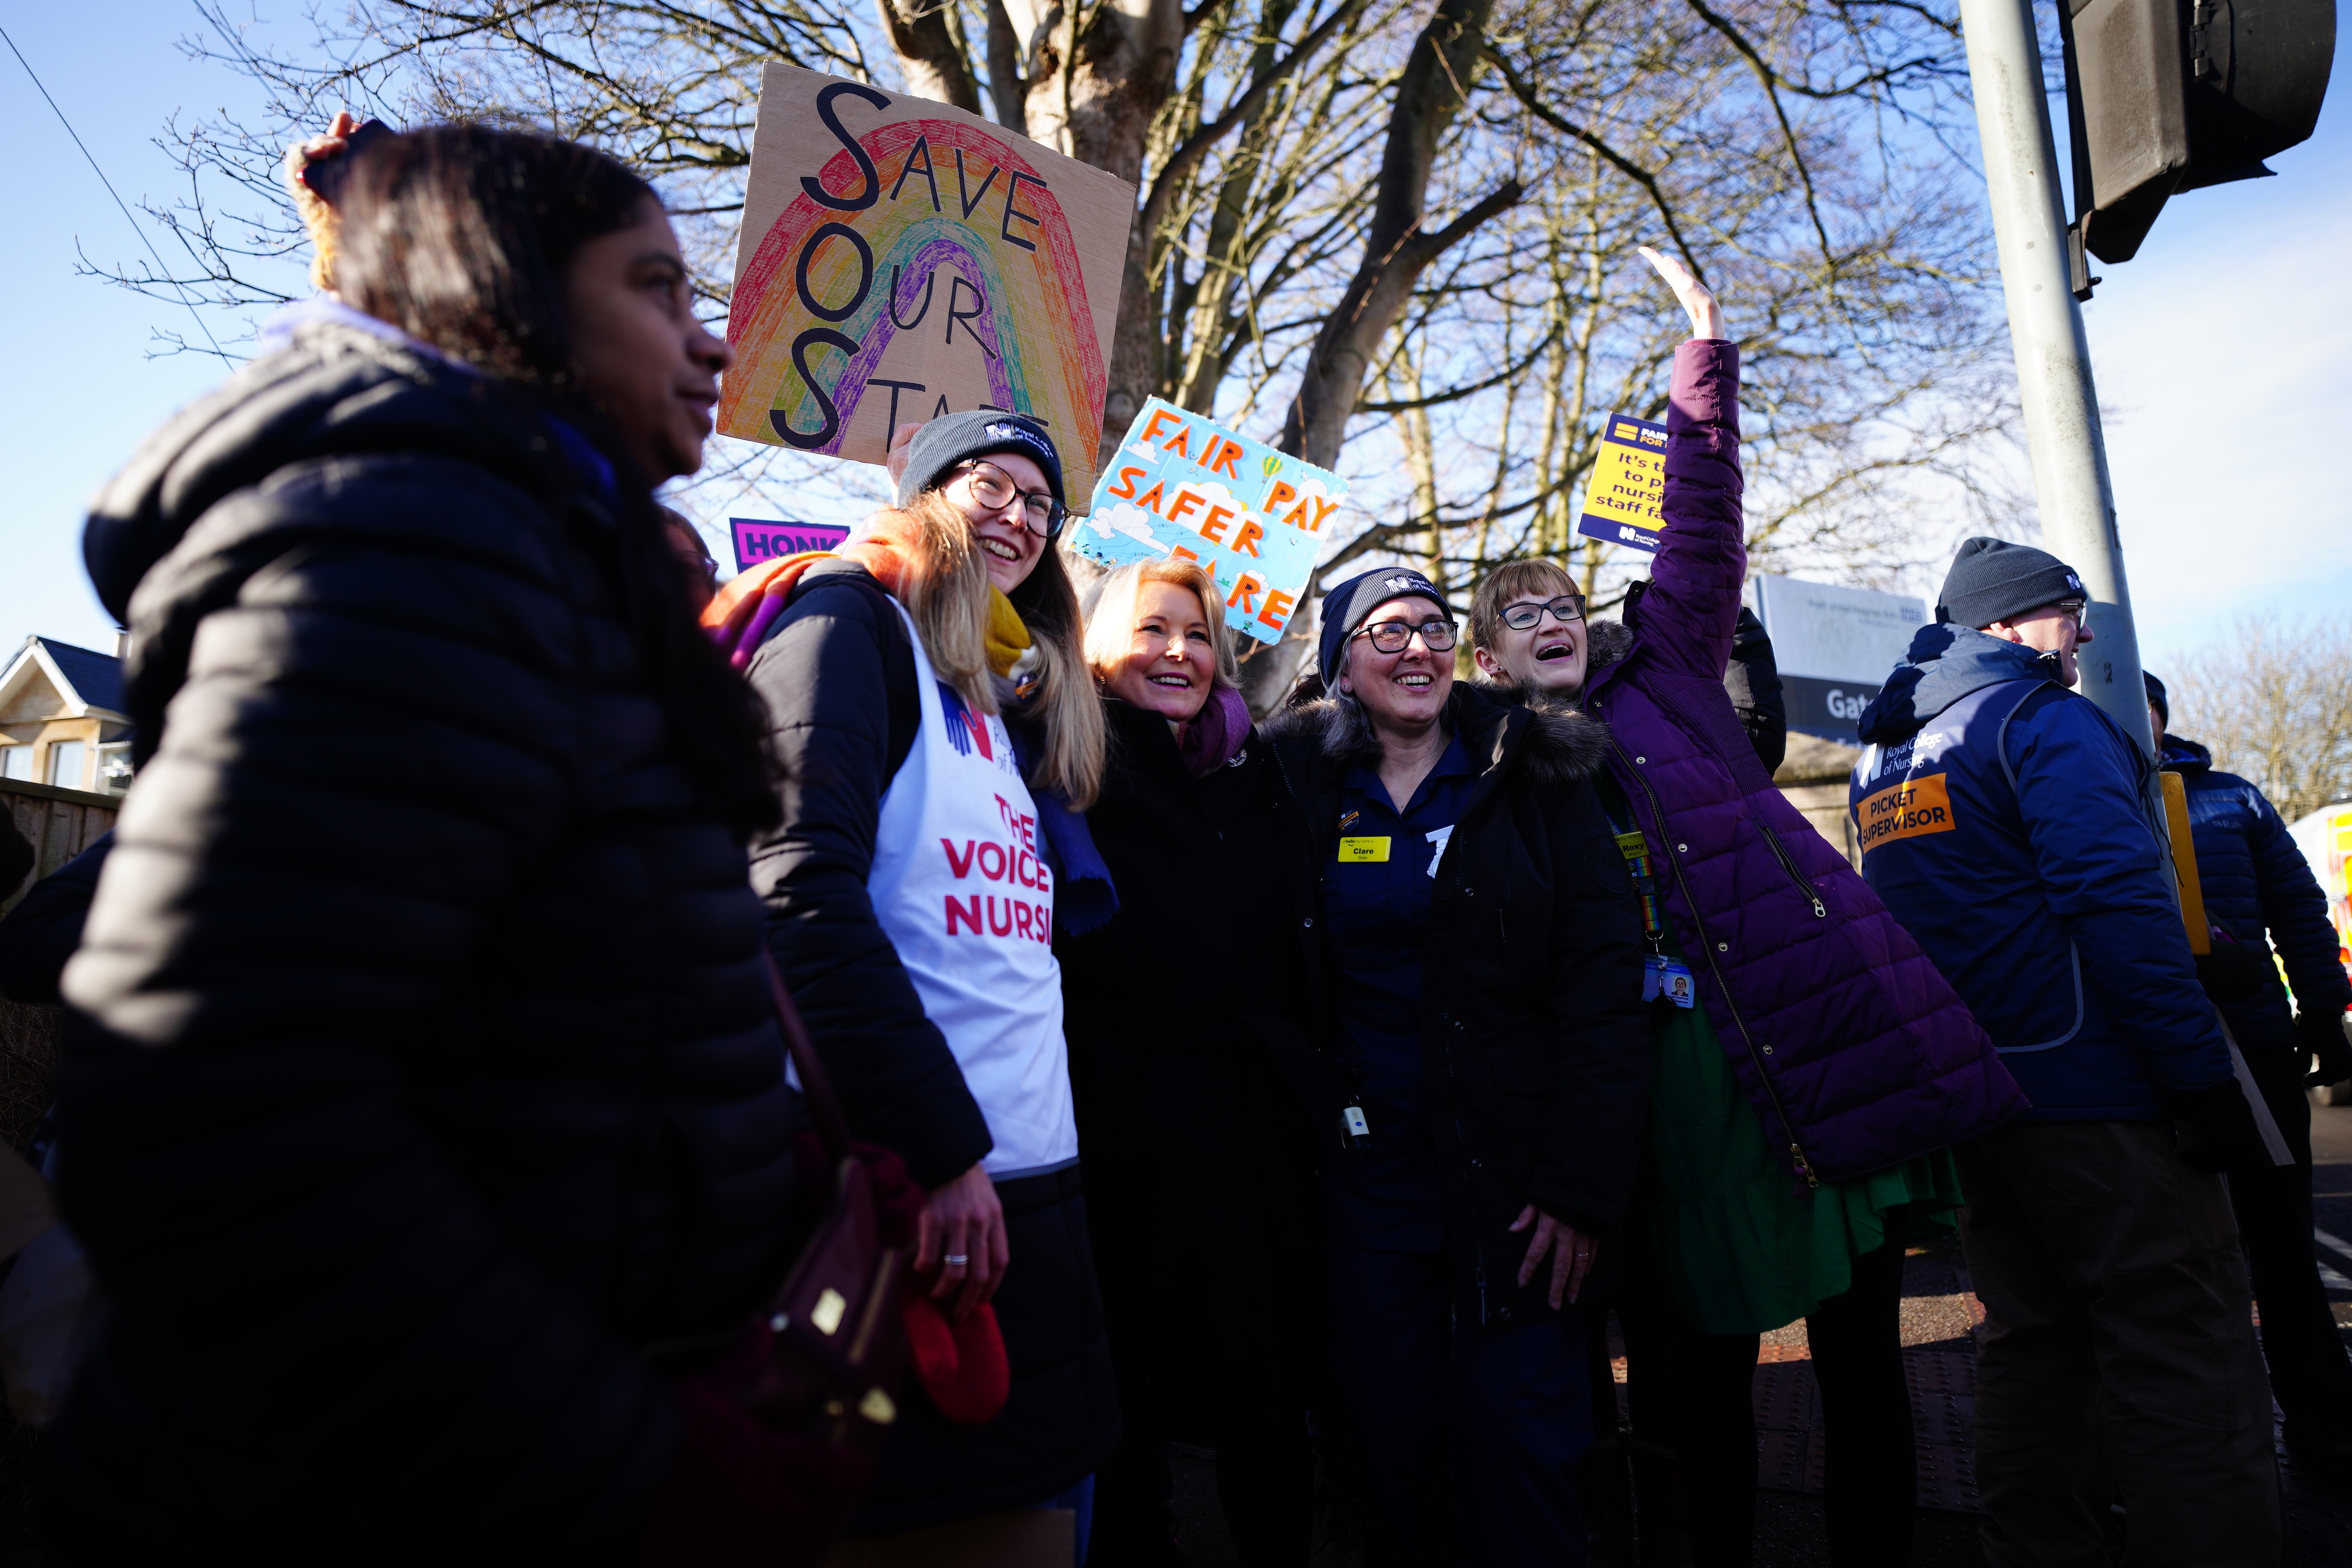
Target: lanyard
<point>1635,847</point>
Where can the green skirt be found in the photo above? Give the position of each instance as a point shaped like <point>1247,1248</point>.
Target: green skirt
<point>1740,1248</point>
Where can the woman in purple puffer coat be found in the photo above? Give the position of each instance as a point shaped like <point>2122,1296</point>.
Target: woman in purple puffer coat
<point>1800,1111</point>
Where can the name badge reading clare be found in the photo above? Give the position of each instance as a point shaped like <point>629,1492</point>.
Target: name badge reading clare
<point>1363,850</point>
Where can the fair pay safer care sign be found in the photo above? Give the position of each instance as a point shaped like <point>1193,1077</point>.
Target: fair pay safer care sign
<point>1628,483</point>
<point>1183,485</point>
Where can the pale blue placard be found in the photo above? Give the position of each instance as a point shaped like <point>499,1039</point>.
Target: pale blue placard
<point>1254,517</point>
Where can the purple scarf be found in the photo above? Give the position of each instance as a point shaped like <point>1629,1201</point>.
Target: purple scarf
<point>1216,736</point>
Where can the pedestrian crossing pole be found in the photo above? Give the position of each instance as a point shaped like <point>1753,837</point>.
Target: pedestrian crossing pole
<point>2054,359</point>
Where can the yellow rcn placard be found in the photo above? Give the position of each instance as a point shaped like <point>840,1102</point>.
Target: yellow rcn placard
<point>1628,483</point>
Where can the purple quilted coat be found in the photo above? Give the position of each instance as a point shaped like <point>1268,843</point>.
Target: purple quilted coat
<point>1850,1046</point>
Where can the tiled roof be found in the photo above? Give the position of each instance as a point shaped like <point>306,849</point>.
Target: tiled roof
<point>96,677</point>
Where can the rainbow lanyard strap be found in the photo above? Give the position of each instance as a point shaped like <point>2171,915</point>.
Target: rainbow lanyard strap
<point>1638,865</point>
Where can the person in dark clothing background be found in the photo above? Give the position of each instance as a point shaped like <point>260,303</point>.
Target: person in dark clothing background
<point>2260,895</point>
<point>16,857</point>
<point>422,1083</point>
<point>1199,1184</point>
<point>1753,679</point>
<point>41,932</point>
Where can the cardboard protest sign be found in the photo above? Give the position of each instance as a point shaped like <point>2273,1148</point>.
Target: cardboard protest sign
<point>1627,484</point>
<point>1182,484</point>
<point>757,540</point>
<point>901,259</point>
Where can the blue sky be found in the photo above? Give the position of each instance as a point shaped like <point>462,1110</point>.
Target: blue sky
<point>2220,352</point>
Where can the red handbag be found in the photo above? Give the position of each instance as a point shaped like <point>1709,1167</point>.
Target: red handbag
<point>839,1348</point>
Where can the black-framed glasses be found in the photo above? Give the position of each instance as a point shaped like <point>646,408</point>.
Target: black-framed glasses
<point>1392,637</point>
<point>1568,607</point>
<point>993,488</point>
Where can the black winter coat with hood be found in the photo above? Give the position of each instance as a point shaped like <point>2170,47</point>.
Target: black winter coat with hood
<point>1534,1037</point>
<point>422,1081</point>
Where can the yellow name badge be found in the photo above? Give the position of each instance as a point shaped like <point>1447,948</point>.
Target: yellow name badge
<point>1904,810</point>
<point>1363,850</point>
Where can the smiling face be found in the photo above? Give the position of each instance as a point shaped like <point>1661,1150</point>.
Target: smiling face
<point>1548,657</point>
<point>1405,691</point>
<point>641,356</point>
<point>1172,661</point>
<point>1002,530</point>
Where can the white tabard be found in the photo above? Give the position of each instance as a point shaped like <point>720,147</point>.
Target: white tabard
<point>961,885</point>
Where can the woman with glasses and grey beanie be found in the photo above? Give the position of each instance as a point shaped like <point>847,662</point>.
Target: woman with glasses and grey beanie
<point>929,701</point>
<point>1476,959</point>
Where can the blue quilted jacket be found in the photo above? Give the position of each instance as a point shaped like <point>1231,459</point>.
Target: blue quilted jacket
<point>2256,880</point>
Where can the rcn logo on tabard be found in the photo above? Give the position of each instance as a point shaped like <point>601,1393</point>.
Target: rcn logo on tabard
<point>966,729</point>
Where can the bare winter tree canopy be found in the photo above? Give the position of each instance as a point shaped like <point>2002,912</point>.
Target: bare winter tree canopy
<point>1395,235</point>
<point>2273,699</point>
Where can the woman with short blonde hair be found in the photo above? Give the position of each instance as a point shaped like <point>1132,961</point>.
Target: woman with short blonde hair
<point>1196,1179</point>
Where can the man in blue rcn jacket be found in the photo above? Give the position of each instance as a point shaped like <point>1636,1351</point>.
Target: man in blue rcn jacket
<point>2002,819</point>
<point>2258,894</point>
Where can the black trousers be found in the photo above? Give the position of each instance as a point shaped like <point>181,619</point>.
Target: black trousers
<point>2311,1375</point>
<point>1695,1393</point>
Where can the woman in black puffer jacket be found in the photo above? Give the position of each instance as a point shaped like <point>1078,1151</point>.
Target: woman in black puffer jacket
<point>422,1098</point>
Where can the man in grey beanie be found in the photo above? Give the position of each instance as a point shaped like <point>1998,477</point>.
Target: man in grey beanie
<point>2001,819</point>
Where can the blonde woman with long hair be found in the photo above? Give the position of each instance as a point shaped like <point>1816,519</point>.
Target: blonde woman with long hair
<point>940,736</point>
<point>1199,1183</point>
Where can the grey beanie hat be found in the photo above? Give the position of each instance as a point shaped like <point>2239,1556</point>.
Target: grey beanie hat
<point>1994,580</point>
<point>953,438</point>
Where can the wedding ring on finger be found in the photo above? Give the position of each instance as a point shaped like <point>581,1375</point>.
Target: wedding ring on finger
<point>956,1259</point>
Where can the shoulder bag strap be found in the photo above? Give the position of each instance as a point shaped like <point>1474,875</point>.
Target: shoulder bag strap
<point>831,1127</point>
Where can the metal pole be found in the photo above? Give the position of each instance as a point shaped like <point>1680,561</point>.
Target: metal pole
<point>2053,360</point>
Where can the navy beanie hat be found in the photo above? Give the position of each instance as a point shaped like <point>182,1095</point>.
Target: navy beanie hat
<point>1994,580</point>
<point>953,438</point>
<point>2157,698</point>
<point>1346,606</point>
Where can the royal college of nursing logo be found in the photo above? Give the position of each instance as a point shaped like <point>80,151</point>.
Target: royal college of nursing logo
<point>966,729</point>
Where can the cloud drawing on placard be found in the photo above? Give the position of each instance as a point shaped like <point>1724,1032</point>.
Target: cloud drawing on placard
<point>1124,518</point>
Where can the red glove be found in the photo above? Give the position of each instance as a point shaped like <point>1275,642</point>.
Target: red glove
<point>739,1495</point>
<point>962,1365</point>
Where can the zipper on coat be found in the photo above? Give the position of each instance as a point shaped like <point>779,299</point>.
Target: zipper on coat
<point>1788,1124</point>
<point>1789,864</point>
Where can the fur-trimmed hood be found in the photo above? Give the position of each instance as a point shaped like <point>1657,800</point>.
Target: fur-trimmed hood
<point>1563,746</point>
<point>1605,643</point>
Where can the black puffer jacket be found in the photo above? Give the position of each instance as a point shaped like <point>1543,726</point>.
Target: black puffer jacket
<point>1201,1185</point>
<point>1534,1039</point>
<point>423,1081</point>
<point>837,673</point>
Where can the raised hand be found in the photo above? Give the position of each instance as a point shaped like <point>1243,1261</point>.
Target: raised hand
<point>1705,315</point>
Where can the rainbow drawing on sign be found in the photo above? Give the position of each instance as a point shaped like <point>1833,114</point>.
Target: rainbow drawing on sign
<point>919,225</point>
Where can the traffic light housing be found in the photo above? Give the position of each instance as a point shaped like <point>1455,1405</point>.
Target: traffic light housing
<point>2166,96</point>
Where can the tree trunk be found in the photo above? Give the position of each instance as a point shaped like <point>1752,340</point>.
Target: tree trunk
<point>1094,97</point>
<point>930,55</point>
